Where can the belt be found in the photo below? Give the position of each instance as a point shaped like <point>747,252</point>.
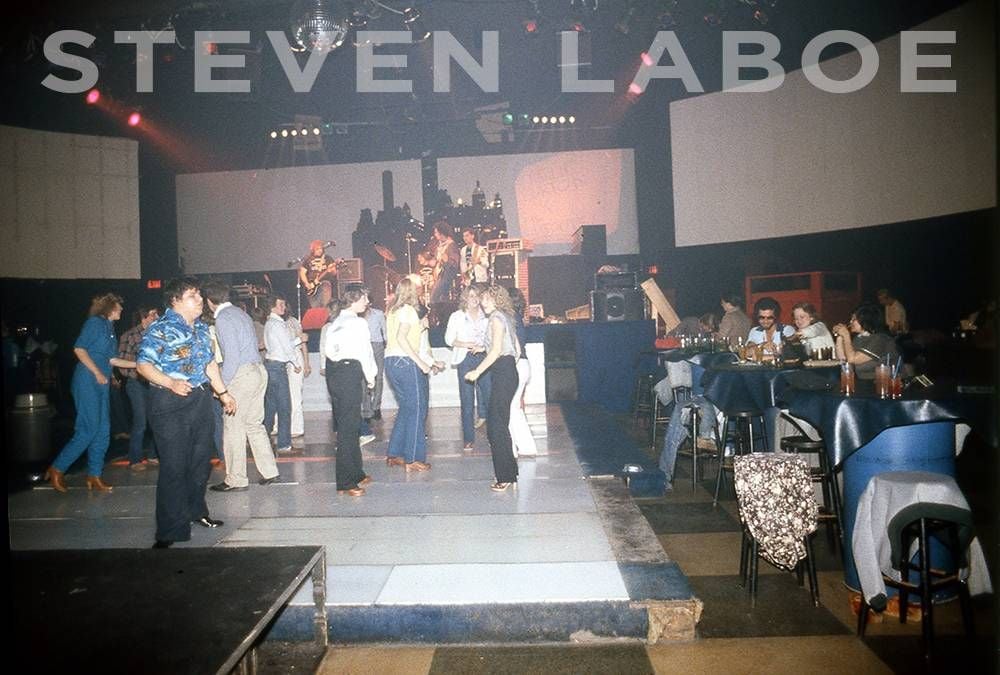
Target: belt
<point>207,386</point>
<point>345,362</point>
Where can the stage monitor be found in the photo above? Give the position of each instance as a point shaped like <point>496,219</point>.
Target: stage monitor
<point>547,197</point>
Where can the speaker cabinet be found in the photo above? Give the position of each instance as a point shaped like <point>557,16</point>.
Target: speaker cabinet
<point>624,304</point>
<point>351,270</point>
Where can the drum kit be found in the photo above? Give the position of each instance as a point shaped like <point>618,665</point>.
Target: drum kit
<point>390,276</point>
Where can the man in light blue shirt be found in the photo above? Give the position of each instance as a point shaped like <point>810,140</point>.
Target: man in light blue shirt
<point>246,379</point>
<point>280,351</point>
<point>769,328</point>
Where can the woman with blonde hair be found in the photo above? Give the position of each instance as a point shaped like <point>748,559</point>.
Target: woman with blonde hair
<point>502,351</point>
<point>407,371</point>
<point>466,335</point>
<point>96,349</point>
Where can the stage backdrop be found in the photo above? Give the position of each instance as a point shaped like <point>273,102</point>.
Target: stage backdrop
<point>69,205</point>
<point>798,160</point>
<point>246,221</point>
<point>547,196</point>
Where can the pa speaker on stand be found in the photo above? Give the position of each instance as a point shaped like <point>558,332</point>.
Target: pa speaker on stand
<point>620,304</point>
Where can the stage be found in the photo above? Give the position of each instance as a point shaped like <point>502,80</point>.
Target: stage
<point>434,557</point>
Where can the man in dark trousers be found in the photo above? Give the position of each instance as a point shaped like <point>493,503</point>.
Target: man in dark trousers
<point>176,356</point>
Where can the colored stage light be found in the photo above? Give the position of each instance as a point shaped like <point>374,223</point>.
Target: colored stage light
<point>508,118</point>
<point>93,96</point>
<point>634,89</point>
<point>134,119</point>
<point>647,60</point>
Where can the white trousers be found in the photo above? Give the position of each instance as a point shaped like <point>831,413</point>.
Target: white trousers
<point>520,432</point>
<point>295,381</point>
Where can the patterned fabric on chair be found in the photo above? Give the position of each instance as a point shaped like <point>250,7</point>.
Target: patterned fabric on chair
<point>777,505</point>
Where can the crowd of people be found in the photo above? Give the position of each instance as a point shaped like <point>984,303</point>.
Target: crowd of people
<point>210,379</point>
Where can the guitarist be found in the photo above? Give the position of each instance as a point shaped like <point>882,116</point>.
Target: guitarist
<point>318,273</point>
<point>474,259</point>
<point>446,269</point>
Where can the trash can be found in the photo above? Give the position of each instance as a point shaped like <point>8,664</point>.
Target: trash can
<point>29,429</point>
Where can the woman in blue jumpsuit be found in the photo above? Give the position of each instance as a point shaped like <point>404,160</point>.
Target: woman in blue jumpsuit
<point>97,351</point>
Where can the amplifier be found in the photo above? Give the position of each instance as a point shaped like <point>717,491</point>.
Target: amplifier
<point>625,304</point>
<point>351,269</point>
<point>495,245</point>
<point>609,280</point>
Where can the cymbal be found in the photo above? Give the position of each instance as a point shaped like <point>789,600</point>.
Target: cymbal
<point>388,255</point>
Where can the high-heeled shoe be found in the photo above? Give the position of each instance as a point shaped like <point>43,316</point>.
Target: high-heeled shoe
<point>502,487</point>
<point>352,492</point>
<point>394,461</point>
<point>95,483</point>
<point>417,466</point>
<point>55,478</point>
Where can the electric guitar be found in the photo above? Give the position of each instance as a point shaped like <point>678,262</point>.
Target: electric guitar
<point>313,286</point>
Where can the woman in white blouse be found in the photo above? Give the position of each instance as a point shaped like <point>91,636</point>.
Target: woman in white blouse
<point>350,363</point>
<point>466,335</point>
<point>809,330</point>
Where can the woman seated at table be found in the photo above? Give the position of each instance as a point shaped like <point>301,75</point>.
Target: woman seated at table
<point>810,332</point>
<point>870,344</point>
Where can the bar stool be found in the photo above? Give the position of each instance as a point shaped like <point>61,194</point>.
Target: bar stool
<point>694,449</point>
<point>832,513</point>
<point>951,527</point>
<point>737,426</point>
<point>778,512</point>
<point>642,398</point>
<point>660,415</point>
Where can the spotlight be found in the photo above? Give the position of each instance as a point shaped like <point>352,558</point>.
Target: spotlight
<point>624,23</point>
<point>761,17</point>
<point>572,119</point>
<point>315,131</point>
<point>562,119</point>
<point>356,23</point>
<point>414,22</point>
<point>647,60</point>
<point>508,119</point>
<point>575,15</point>
<point>552,120</point>
<point>634,89</point>
<point>134,119</point>
<point>666,21</point>
<point>284,133</point>
<point>295,132</point>
<point>274,134</point>
<point>93,96</point>
<point>532,21</point>
<point>545,119</point>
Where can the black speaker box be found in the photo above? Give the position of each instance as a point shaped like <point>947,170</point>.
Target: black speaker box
<point>623,304</point>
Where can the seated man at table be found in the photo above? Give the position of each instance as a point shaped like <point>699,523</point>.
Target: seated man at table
<point>735,323</point>
<point>870,344</point>
<point>769,329</point>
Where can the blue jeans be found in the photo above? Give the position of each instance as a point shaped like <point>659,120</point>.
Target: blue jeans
<point>137,393</point>
<point>410,386</point>
<point>92,430</point>
<point>467,394</point>
<point>278,401</point>
<point>677,431</point>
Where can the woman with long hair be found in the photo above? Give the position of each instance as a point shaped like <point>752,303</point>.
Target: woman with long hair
<point>466,335</point>
<point>407,371</point>
<point>96,350</point>
<point>809,330</point>
<point>870,343</point>
<point>502,352</point>
<point>520,432</point>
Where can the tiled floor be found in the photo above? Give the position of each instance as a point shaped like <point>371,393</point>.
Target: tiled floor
<point>783,633</point>
<point>444,536</point>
